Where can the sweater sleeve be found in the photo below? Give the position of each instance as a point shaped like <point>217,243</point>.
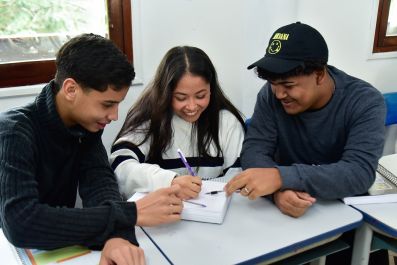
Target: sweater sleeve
<point>231,133</point>
<point>29,223</point>
<point>133,174</point>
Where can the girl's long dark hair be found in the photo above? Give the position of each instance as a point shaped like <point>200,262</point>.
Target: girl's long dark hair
<point>155,104</point>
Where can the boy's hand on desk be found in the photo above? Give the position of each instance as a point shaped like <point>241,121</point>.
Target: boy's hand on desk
<point>293,203</point>
<point>121,252</point>
<point>159,207</point>
<point>255,182</point>
<point>190,186</point>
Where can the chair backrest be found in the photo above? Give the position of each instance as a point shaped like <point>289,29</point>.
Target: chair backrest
<point>391,106</point>
<point>391,123</point>
<point>247,122</point>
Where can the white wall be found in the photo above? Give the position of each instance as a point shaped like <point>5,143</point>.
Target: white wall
<point>234,33</point>
<point>348,27</point>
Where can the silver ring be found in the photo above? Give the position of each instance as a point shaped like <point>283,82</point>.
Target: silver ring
<point>246,190</point>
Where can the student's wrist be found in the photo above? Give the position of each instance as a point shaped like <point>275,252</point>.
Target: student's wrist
<point>140,215</point>
<point>278,182</point>
<point>173,179</point>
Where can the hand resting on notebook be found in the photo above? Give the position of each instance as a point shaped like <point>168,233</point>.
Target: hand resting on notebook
<point>159,207</point>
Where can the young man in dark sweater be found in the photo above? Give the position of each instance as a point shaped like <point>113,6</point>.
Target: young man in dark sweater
<point>316,132</point>
<point>52,147</point>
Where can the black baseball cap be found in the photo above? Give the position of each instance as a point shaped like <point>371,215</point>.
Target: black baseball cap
<point>290,46</point>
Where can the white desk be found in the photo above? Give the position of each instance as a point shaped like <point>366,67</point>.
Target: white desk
<point>381,218</point>
<point>253,231</point>
<point>152,254</point>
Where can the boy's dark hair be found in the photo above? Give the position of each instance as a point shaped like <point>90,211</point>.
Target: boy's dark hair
<point>94,62</point>
<point>306,68</point>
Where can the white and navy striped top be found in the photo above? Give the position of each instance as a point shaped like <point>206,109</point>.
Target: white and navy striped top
<point>136,174</point>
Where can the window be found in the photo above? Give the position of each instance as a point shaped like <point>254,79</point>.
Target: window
<point>386,27</point>
<point>31,32</point>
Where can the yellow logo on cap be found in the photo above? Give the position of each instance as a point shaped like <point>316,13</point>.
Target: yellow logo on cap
<point>274,47</point>
<point>280,36</point>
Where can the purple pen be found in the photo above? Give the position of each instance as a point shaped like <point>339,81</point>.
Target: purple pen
<point>183,158</point>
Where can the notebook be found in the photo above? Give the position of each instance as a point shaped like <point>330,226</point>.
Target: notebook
<point>384,189</point>
<point>387,167</point>
<point>209,208</point>
<point>66,256</point>
<point>232,172</point>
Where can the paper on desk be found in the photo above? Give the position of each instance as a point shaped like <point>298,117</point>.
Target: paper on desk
<point>231,173</point>
<point>370,199</point>
<point>216,205</point>
<point>381,191</point>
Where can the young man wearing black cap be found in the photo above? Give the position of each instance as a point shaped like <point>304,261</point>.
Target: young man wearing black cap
<point>53,146</point>
<point>316,132</point>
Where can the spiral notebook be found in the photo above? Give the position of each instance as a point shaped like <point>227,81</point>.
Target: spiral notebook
<point>384,189</point>
<point>387,167</point>
<point>232,172</point>
<point>209,208</point>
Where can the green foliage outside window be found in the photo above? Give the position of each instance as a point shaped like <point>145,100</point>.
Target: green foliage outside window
<point>29,17</point>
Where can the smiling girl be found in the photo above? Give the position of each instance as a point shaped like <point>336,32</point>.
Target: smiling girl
<point>182,108</point>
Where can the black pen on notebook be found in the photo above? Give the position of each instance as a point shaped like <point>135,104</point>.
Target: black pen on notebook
<point>218,191</point>
<point>214,192</point>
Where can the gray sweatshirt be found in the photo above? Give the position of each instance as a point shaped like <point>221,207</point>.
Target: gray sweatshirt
<point>329,153</point>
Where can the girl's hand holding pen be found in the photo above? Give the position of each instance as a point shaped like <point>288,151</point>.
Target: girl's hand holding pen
<point>190,186</point>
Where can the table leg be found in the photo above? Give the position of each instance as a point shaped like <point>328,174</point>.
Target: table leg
<point>319,261</point>
<point>362,245</point>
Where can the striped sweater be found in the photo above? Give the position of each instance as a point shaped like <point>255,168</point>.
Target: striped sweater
<point>135,173</point>
<point>41,165</point>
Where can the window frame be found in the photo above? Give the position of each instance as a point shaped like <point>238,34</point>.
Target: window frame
<point>383,43</point>
<point>42,71</point>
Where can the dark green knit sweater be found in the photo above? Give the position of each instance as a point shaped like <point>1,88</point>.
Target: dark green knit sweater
<point>42,163</point>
